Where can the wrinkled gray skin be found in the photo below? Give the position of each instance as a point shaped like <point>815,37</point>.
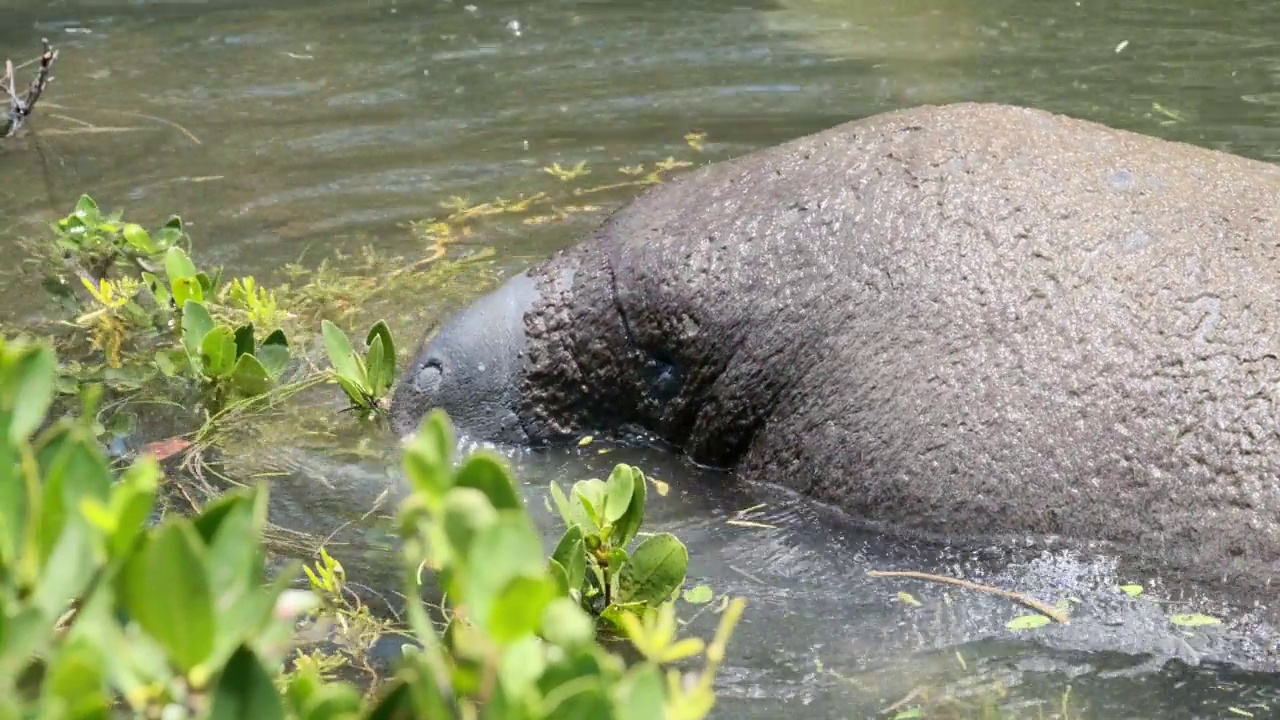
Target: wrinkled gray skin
<point>958,322</point>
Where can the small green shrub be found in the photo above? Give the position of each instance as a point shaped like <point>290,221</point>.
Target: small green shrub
<point>366,380</point>
<point>591,561</point>
<point>98,241</point>
<point>104,613</point>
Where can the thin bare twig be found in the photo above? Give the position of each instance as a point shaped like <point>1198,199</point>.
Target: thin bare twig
<point>1044,608</point>
<point>21,106</point>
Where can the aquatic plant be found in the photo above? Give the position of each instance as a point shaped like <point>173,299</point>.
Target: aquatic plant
<point>102,611</point>
<point>592,562</point>
<point>366,380</point>
<point>93,241</point>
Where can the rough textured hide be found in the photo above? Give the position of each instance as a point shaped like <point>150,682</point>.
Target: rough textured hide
<point>962,321</point>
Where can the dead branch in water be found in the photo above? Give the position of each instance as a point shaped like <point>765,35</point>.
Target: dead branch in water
<point>1041,607</point>
<point>22,105</point>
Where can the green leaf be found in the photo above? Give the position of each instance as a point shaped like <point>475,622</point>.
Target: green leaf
<point>76,679</point>
<point>218,352</point>
<point>178,265</point>
<point>313,700</point>
<point>626,527</point>
<point>75,474</point>
<point>196,324</point>
<point>698,594</point>
<point>910,714</point>
<point>380,330</point>
<point>428,455</point>
<point>641,695</point>
<point>522,663</point>
<point>587,702</point>
<point>68,570</point>
<point>354,392</point>
<point>132,500</point>
<point>1131,590</point>
<point>21,635</point>
<point>86,207</point>
<point>571,553</point>
<point>1193,620</point>
<point>486,472</point>
<point>166,590</point>
<point>157,289</point>
<point>1028,622</point>
<point>246,690</point>
<point>566,624</point>
<point>20,489</point>
<point>185,289</point>
<point>138,238</point>
<point>467,511</point>
<point>274,353</point>
<point>207,285</point>
<point>572,512</point>
<point>560,575</point>
<point>276,338</point>
<point>379,382</point>
<point>169,361</point>
<point>250,378</point>
<point>244,340</point>
<point>618,492</point>
<point>345,361</point>
<point>517,610</point>
<point>34,374</point>
<point>591,494</point>
<point>654,571</point>
<point>507,548</point>
<point>274,359</point>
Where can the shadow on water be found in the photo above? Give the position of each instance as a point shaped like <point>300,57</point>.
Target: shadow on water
<point>310,127</point>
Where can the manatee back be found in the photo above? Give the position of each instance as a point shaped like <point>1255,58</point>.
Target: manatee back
<point>978,319</point>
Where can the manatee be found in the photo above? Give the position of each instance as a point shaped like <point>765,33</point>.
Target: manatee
<point>954,323</point>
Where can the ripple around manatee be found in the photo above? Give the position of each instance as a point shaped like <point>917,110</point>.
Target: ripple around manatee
<point>822,633</point>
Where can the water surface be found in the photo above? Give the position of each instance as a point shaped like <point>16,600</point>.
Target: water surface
<point>290,129</point>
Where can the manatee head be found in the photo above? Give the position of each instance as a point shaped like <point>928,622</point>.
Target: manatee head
<point>553,353</point>
<point>471,368</point>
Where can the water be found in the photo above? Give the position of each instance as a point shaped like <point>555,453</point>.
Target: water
<point>313,127</point>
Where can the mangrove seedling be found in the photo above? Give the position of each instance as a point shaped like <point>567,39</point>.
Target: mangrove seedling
<point>518,644</point>
<point>367,380</point>
<point>97,241</point>
<point>109,612</point>
<point>229,362</point>
<point>186,282</point>
<point>591,560</point>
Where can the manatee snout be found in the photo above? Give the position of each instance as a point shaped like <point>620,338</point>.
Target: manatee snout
<point>472,369</point>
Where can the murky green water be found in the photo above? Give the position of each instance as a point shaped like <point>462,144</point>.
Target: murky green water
<point>313,126</point>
